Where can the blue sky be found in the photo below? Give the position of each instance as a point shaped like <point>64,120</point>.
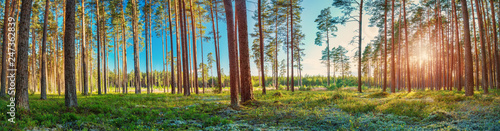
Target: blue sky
<point>311,63</point>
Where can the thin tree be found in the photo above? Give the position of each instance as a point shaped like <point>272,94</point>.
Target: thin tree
<point>43,63</point>
<point>292,35</point>
<point>325,26</point>
<point>183,24</point>
<point>146,28</point>
<point>261,41</point>
<point>216,43</point>
<point>384,87</point>
<point>84,62</point>
<point>228,5</point>
<point>393,67</point>
<point>70,99</point>
<point>171,47</point>
<point>98,49</point>
<point>124,51</point>
<point>483,48</point>
<point>407,53</point>
<point>4,47</point>
<point>495,45</point>
<point>135,32</point>
<point>193,28</point>
<point>347,6</point>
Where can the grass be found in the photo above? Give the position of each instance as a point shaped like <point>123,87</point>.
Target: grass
<point>340,109</point>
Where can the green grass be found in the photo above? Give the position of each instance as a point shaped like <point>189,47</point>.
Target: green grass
<point>340,109</point>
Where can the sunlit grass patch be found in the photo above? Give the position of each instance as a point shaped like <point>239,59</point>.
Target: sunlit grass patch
<point>405,107</point>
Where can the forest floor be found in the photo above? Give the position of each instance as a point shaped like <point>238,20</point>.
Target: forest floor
<point>341,109</point>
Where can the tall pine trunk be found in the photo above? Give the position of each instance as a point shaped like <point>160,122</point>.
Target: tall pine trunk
<point>483,48</point>
<point>69,56</point>
<point>171,48</point>
<point>22,77</point>
<point>193,28</point>
<point>393,65</point>
<point>135,32</point>
<point>4,47</point>
<point>98,49</point>
<point>360,39</point>
<point>124,50</point>
<point>43,63</point>
<point>232,53</point>
<point>246,78</point>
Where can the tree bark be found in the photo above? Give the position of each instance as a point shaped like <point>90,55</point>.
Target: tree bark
<point>22,77</point>
<point>43,63</point>
<point>291,33</point>
<point>232,53</point>
<point>193,28</point>
<point>408,80</point>
<point>171,48</point>
<point>360,39</point>
<point>4,47</point>
<point>469,78</point>
<point>246,78</point>
<point>261,49</point>
<point>393,65</point>
<point>98,49</point>
<point>495,45</point>
<point>84,62</point>
<point>483,48</point>
<point>146,28</point>
<point>69,55</point>
<point>385,49</point>
<point>137,72</point>
<point>124,51</point>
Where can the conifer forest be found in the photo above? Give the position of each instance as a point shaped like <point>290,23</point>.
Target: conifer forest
<point>329,65</point>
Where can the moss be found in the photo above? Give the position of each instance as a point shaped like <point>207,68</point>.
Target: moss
<point>278,94</point>
<point>439,116</point>
<point>378,95</point>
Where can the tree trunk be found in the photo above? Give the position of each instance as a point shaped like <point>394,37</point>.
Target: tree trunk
<point>495,45</point>
<point>171,48</point>
<point>233,60</point>
<point>219,77</point>
<point>193,28</point>
<point>469,78</point>
<point>124,51</point>
<point>291,33</point>
<point>98,49</point>
<point>261,49</point>
<point>4,47</point>
<point>246,78</point>
<point>385,48</point>
<point>185,58</point>
<point>69,55</point>
<point>43,63</point>
<point>360,39</point>
<point>459,55</point>
<point>179,60</point>
<point>202,60</point>
<point>393,67</point>
<point>146,28</point>
<point>483,48</point>
<point>22,77</point>
<point>84,62</point>
<point>137,72</point>
<point>408,80</point>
